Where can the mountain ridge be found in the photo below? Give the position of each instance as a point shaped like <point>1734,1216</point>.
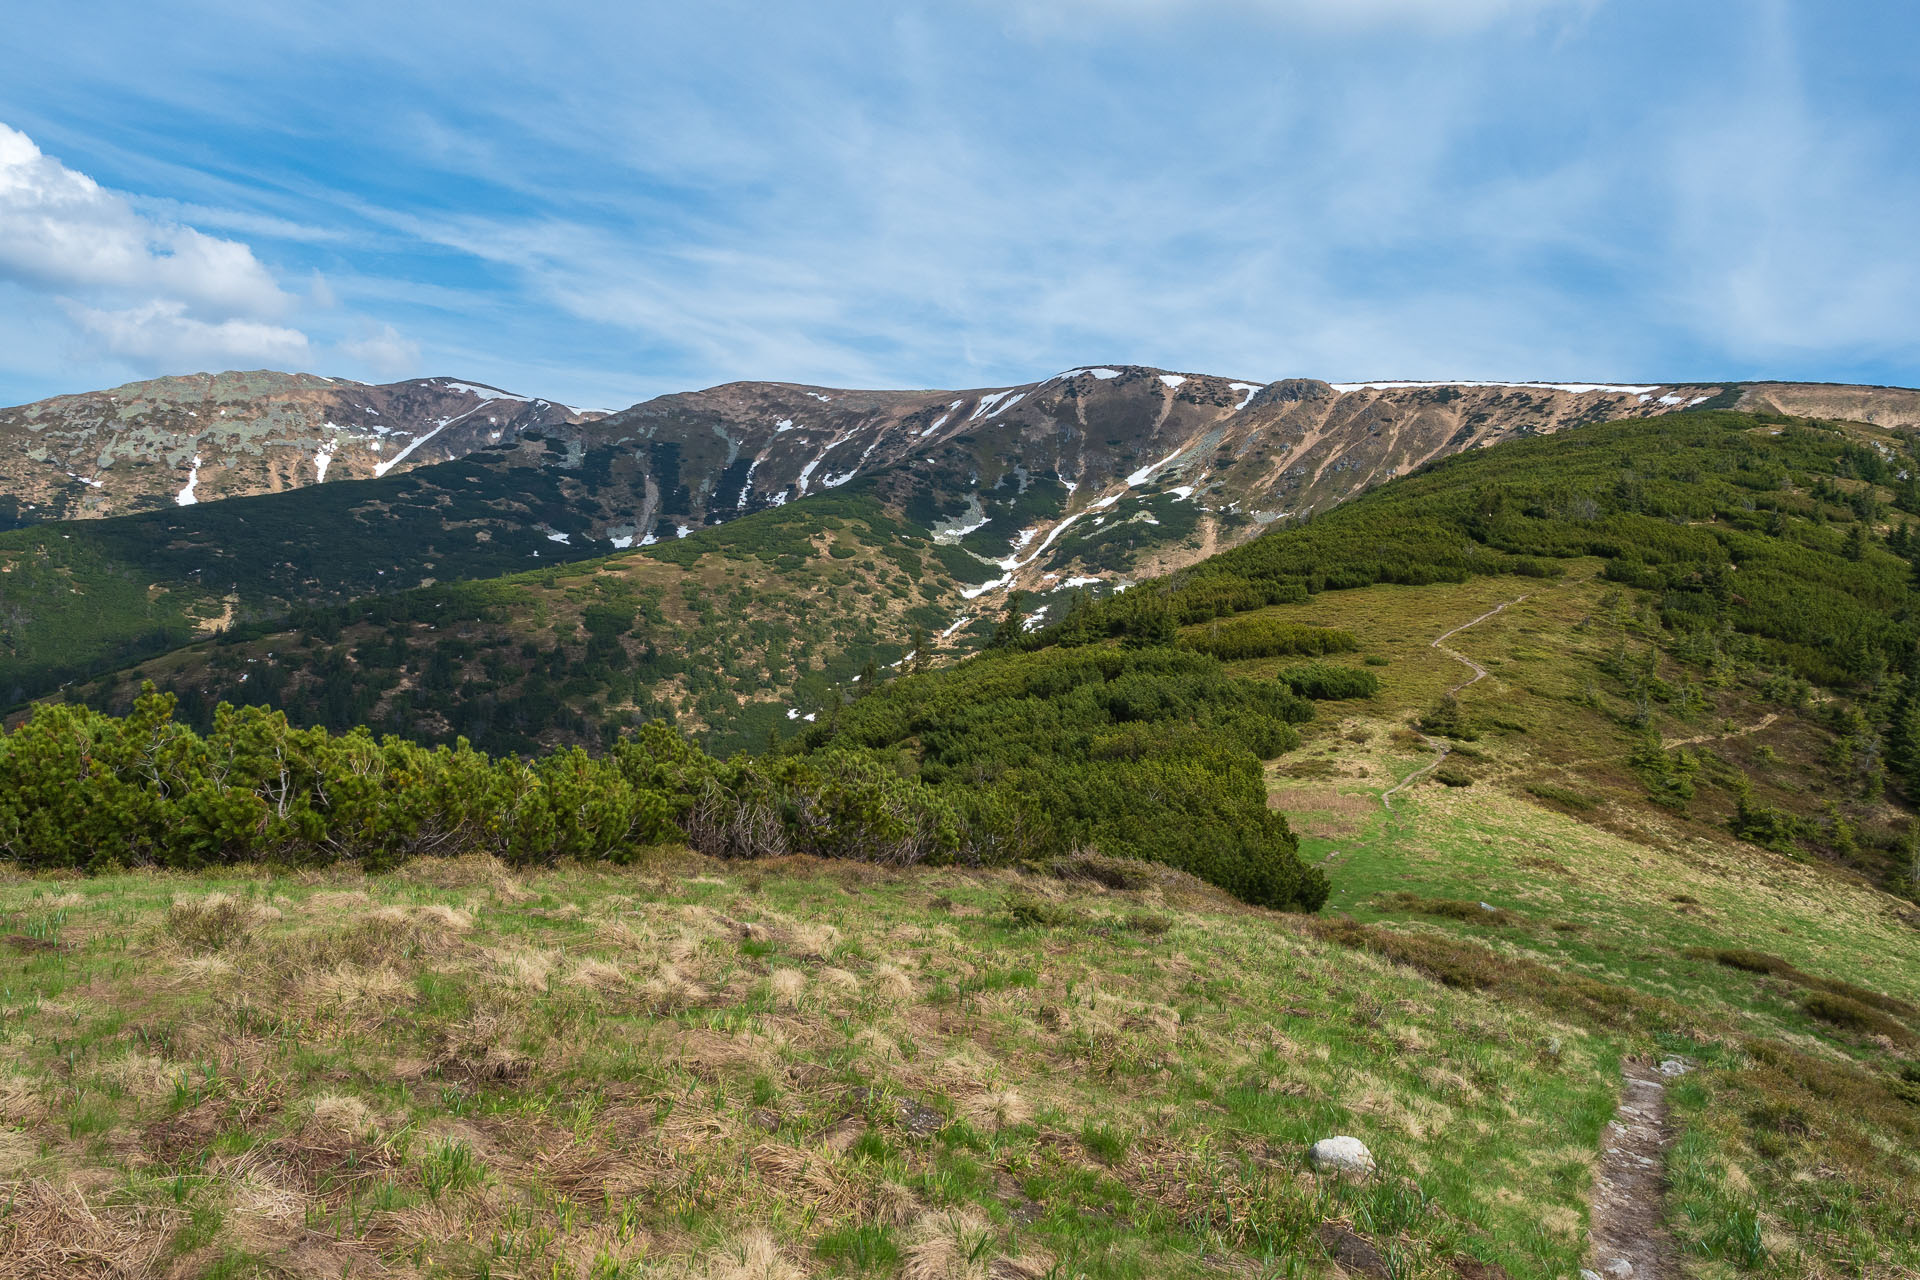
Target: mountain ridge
<point>194,438</point>
<point>1097,477</point>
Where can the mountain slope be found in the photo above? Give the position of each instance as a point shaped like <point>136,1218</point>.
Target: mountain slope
<point>1719,570</point>
<point>1006,471</point>
<point>196,438</point>
<point>735,633</point>
<point>1097,476</point>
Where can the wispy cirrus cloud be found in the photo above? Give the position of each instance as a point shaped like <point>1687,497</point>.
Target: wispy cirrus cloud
<point>646,198</point>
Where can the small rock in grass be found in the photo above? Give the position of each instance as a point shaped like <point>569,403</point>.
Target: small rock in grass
<point>1675,1067</point>
<point>1342,1155</point>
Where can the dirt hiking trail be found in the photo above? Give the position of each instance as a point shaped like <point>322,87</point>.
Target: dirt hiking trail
<point>1629,1192</point>
<point>1439,745</point>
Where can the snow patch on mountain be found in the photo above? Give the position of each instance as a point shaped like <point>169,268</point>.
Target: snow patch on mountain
<point>746,487</point>
<point>185,497</point>
<point>480,389</point>
<point>941,421</point>
<point>1140,477</point>
<point>988,401</point>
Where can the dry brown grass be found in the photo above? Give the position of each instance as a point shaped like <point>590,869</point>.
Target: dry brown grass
<point>53,1232</point>
<point>788,987</point>
<point>216,922</point>
<point>948,1246</point>
<point>998,1108</point>
<point>597,974</point>
<point>482,1047</point>
<point>755,1256</point>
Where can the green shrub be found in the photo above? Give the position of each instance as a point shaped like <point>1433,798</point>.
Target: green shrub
<point>1328,681</point>
<point>1565,796</point>
<point>1256,637</point>
<point>1452,775</point>
<point>1853,1015</point>
<point>1448,720</point>
<point>1668,775</point>
<point>1150,753</point>
<point>79,789</point>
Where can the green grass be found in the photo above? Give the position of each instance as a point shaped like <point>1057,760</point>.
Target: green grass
<point>455,1069</point>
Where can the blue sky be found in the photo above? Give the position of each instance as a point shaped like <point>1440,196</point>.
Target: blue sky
<point>601,203</point>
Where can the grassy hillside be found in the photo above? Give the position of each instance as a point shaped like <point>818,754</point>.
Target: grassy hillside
<point>83,596</point>
<point>723,632</point>
<point>1722,618</point>
<point>684,1069</point>
<point>1543,845</point>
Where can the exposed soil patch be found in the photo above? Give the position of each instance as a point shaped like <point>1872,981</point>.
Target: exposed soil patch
<point>1629,1240</point>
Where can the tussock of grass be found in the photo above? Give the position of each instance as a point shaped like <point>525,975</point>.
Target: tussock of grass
<point>1468,965</point>
<point>1752,961</point>
<point>1451,908</point>
<point>1566,797</point>
<point>215,922</point>
<point>1852,1015</point>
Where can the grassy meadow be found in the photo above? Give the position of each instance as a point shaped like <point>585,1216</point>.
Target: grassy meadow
<point>706,1069</point>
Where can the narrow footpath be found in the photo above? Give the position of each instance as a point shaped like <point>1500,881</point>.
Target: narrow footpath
<point>1440,746</point>
<point>1629,1240</point>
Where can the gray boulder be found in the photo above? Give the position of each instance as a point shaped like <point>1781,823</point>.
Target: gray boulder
<point>1341,1155</point>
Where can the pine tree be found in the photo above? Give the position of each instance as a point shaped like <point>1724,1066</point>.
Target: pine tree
<point>1903,735</point>
<point>1007,634</point>
<point>1856,546</point>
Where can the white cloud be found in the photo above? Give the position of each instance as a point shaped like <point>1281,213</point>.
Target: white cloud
<point>384,352</point>
<point>140,291</point>
<point>61,231</point>
<point>161,335</point>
